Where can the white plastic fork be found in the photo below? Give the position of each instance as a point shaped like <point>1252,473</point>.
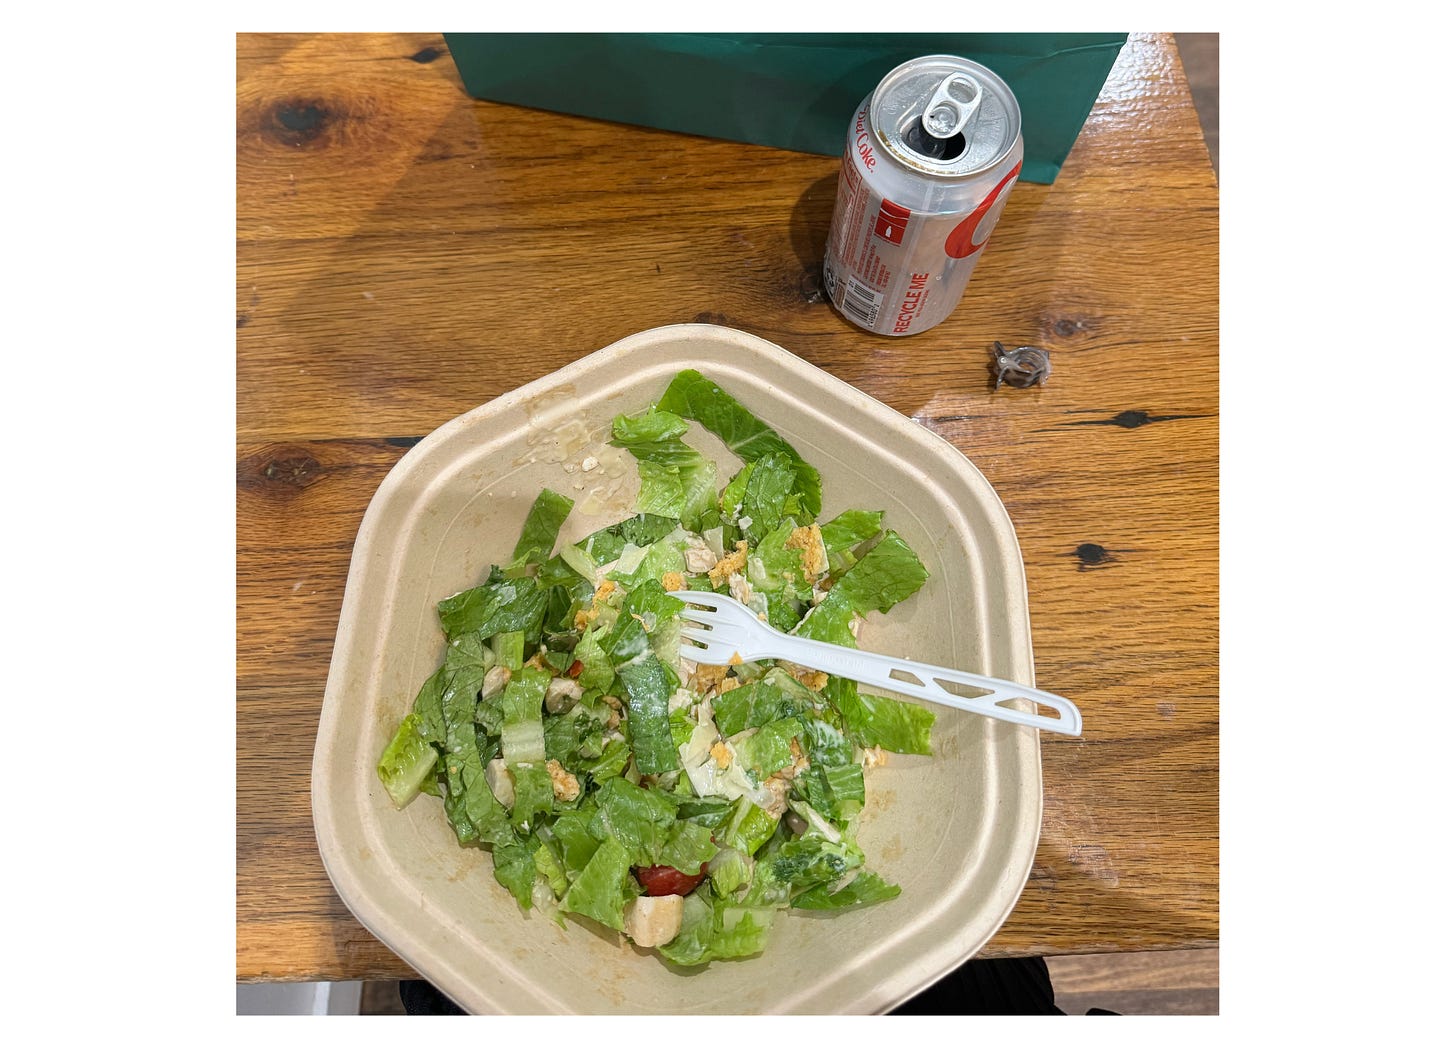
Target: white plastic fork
<point>725,628</point>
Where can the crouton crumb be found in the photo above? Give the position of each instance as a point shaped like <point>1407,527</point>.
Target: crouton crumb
<point>810,545</point>
<point>564,786</point>
<point>733,562</point>
<point>721,754</point>
<point>814,680</point>
<point>673,580</point>
<point>707,678</point>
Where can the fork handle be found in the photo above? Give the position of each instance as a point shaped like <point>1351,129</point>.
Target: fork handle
<point>875,670</point>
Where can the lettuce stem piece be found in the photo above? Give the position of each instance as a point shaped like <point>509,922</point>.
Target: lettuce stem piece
<point>406,761</point>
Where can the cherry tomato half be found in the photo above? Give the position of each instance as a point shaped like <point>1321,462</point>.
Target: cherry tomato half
<point>667,880</point>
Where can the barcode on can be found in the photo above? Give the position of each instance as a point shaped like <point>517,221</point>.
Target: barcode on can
<point>861,301</point>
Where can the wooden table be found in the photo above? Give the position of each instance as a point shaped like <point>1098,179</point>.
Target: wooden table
<point>405,254</point>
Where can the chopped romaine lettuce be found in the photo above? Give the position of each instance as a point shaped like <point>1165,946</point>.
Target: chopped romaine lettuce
<point>407,761</point>
<point>694,397</point>
<point>867,887</point>
<point>677,481</point>
<point>600,891</point>
<point>563,732</point>
<point>879,720</point>
<point>538,534</point>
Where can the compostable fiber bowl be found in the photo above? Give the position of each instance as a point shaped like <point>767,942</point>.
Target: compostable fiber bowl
<point>957,831</point>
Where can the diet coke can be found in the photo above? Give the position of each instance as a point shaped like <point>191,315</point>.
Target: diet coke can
<point>929,161</point>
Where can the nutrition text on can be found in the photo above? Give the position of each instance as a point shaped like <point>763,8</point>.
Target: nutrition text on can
<point>929,162</point>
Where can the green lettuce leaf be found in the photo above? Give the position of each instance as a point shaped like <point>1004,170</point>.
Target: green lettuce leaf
<point>637,817</point>
<point>850,529</point>
<point>886,575</point>
<point>883,577</point>
<point>767,749</point>
<point>566,735</point>
<point>515,869</point>
<point>600,891</point>
<point>825,744</point>
<point>542,526</point>
<point>479,815</point>
<point>692,396</point>
<point>649,684</point>
<point>572,834</point>
<point>753,706</point>
<point>681,725</point>
<point>606,545</point>
<point>717,929</point>
<point>730,500</point>
<point>662,556</point>
<point>677,480</point>
<point>496,606</point>
<point>407,761</point>
<point>751,828</point>
<point>798,863</point>
<point>626,640</point>
<point>742,931</point>
<point>550,867</point>
<point>430,709</point>
<point>836,790</point>
<point>731,870</point>
<point>687,848</point>
<point>597,672</point>
<point>654,432</point>
<point>864,889</point>
<point>523,737</point>
<point>509,648</point>
<point>611,763</point>
<point>878,720</point>
<point>533,794</point>
<point>712,812</point>
<point>645,617</point>
<point>793,689</point>
<point>774,568</point>
<point>769,497</point>
<point>557,572</point>
<point>829,621</point>
<point>691,945</point>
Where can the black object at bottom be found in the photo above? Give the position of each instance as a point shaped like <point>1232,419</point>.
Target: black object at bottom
<point>421,998</point>
<point>996,986</point>
<point>1011,986</point>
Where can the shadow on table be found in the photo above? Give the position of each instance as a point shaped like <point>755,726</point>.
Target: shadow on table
<point>996,986</point>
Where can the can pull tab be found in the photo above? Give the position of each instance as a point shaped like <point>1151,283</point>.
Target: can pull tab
<point>953,105</point>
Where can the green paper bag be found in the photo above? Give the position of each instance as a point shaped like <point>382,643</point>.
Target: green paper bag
<point>788,90</point>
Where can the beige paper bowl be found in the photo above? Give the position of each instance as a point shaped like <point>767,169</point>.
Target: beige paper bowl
<point>957,831</point>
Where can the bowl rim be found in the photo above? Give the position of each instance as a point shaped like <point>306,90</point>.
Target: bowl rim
<point>402,937</point>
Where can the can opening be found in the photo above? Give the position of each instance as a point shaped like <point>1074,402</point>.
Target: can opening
<point>930,147</point>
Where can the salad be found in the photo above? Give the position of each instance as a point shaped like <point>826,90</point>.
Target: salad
<point>685,805</point>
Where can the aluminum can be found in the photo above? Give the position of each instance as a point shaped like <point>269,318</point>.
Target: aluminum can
<point>929,161</point>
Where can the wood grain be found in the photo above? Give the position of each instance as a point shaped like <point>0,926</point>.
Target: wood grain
<point>1178,982</point>
<point>405,253</point>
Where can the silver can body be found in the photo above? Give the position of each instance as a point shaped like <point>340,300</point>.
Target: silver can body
<point>929,161</point>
